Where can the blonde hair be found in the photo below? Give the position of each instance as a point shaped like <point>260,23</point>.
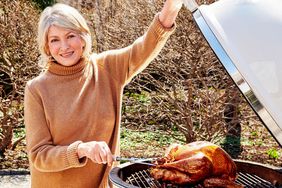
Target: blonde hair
<point>64,16</point>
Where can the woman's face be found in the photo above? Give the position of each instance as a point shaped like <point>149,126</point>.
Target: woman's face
<point>65,45</point>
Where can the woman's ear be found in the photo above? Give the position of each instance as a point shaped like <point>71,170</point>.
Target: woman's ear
<point>83,44</point>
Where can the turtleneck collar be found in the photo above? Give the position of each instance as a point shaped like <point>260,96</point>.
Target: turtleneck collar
<point>59,69</point>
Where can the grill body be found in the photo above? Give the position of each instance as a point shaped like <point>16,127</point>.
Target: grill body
<point>250,174</point>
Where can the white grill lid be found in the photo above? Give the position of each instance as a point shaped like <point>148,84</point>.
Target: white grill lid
<point>246,35</point>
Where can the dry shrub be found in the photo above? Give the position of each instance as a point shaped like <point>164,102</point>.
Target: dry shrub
<point>184,88</point>
<point>18,57</point>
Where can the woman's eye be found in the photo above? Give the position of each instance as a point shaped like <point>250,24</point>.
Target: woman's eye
<point>54,40</point>
<point>71,36</point>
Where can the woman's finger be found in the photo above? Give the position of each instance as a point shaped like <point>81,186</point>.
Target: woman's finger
<point>103,154</point>
<point>109,156</point>
<point>110,159</point>
<point>97,158</point>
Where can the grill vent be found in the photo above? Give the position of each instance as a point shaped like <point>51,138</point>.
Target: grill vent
<point>143,179</point>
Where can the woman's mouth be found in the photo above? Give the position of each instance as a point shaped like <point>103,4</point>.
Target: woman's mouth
<point>67,54</point>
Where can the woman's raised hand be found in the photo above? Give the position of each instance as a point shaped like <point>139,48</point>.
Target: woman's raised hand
<point>169,12</point>
<point>176,3</point>
<point>98,152</point>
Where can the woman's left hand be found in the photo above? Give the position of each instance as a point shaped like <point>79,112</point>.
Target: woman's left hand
<point>176,4</point>
<point>169,12</point>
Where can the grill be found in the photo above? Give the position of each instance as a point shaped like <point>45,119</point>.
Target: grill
<point>250,175</point>
<point>255,68</point>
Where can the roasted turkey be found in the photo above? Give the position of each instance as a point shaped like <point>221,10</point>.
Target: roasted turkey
<point>196,162</point>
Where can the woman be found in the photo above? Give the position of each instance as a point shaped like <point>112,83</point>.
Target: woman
<point>72,110</point>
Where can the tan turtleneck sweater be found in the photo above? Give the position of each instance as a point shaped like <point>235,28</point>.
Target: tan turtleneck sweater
<point>65,106</point>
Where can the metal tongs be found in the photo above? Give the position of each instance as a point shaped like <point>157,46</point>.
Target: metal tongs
<point>147,161</point>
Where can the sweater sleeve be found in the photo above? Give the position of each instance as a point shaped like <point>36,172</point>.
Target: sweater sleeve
<point>123,64</point>
<point>43,154</point>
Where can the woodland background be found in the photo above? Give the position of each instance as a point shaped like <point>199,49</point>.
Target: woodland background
<point>184,95</point>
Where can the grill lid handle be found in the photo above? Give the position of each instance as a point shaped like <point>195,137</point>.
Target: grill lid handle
<point>190,5</point>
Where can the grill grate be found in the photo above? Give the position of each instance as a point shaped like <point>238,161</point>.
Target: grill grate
<point>143,179</point>
<point>253,181</point>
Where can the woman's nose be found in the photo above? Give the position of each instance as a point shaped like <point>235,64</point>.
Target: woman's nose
<point>64,45</point>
